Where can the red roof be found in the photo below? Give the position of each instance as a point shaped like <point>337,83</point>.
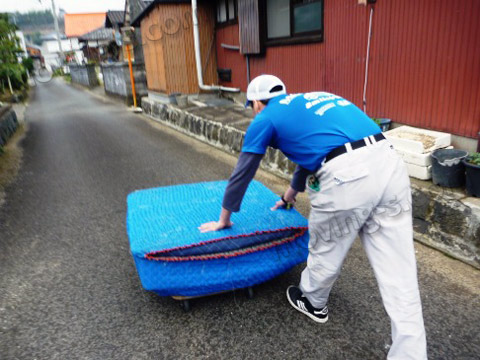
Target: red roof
<point>79,24</point>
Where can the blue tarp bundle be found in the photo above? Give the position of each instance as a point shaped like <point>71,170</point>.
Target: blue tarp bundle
<point>174,258</point>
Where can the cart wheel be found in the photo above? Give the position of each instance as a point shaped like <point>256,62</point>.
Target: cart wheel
<point>185,304</point>
<point>249,292</point>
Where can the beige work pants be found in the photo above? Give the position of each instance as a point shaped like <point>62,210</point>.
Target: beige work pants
<point>367,192</point>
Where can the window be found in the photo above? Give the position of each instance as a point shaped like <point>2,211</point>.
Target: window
<point>278,18</point>
<point>294,20</point>
<point>226,11</point>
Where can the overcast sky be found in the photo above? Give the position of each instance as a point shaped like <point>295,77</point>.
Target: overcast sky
<point>70,6</point>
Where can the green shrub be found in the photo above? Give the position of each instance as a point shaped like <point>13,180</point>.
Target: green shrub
<point>16,73</point>
<point>28,64</point>
<point>10,69</point>
<point>58,72</point>
<point>474,158</point>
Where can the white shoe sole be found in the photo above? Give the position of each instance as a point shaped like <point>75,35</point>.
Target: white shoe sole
<point>313,317</point>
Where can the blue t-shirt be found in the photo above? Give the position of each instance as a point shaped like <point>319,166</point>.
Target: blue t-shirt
<point>306,127</point>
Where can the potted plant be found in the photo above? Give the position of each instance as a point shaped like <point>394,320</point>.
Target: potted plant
<point>472,166</point>
<point>384,124</point>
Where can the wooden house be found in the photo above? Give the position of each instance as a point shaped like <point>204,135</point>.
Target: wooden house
<point>168,46</point>
<point>416,62</point>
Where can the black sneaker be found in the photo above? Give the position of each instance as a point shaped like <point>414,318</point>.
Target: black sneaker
<point>298,301</point>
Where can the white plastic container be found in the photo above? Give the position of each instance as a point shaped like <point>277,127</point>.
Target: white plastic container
<point>417,141</point>
<point>417,159</point>
<point>419,172</point>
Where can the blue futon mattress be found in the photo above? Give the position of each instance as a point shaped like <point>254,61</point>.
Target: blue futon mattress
<point>173,258</point>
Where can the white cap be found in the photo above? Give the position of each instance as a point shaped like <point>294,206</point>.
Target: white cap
<point>265,87</point>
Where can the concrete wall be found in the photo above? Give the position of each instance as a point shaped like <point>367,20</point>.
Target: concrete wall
<point>84,75</point>
<point>443,219</point>
<point>8,124</point>
<point>116,80</point>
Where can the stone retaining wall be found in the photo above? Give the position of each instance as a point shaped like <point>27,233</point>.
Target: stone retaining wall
<point>8,124</point>
<point>443,219</point>
<point>222,136</point>
<point>84,75</point>
<point>116,80</point>
<point>447,220</point>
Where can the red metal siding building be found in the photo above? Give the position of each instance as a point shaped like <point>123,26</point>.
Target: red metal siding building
<point>424,67</point>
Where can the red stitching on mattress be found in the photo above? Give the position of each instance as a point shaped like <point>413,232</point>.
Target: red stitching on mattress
<point>156,255</point>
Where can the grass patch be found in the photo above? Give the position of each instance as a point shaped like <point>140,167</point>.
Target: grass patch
<point>10,158</point>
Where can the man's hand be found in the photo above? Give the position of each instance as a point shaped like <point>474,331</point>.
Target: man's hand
<point>287,201</point>
<point>214,226</point>
<point>223,223</point>
<point>279,204</point>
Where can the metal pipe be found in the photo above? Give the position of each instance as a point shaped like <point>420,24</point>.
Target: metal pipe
<point>478,144</point>
<point>367,61</point>
<point>237,48</point>
<point>230,47</point>
<point>57,31</point>
<point>198,58</point>
<point>248,69</point>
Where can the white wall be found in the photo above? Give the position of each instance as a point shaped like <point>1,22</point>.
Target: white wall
<point>23,46</point>
<point>51,51</point>
<point>99,43</point>
<point>51,46</point>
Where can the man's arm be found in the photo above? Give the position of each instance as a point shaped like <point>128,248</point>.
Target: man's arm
<point>244,172</point>
<point>296,185</point>
<point>299,178</point>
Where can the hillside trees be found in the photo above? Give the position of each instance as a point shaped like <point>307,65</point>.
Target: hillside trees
<point>11,72</point>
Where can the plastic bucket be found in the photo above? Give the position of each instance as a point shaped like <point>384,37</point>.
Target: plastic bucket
<point>447,167</point>
<point>473,178</point>
<point>384,124</point>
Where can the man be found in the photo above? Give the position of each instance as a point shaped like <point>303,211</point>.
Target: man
<point>356,183</point>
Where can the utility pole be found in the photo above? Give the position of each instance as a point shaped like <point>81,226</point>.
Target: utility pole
<point>128,32</point>
<point>55,21</point>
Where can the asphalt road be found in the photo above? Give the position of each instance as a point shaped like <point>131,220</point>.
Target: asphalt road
<point>69,288</point>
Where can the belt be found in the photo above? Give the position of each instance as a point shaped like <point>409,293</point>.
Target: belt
<point>355,145</point>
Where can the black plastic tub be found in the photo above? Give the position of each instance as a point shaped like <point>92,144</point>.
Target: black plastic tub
<point>473,178</point>
<point>385,124</point>
<point>447,167</point>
